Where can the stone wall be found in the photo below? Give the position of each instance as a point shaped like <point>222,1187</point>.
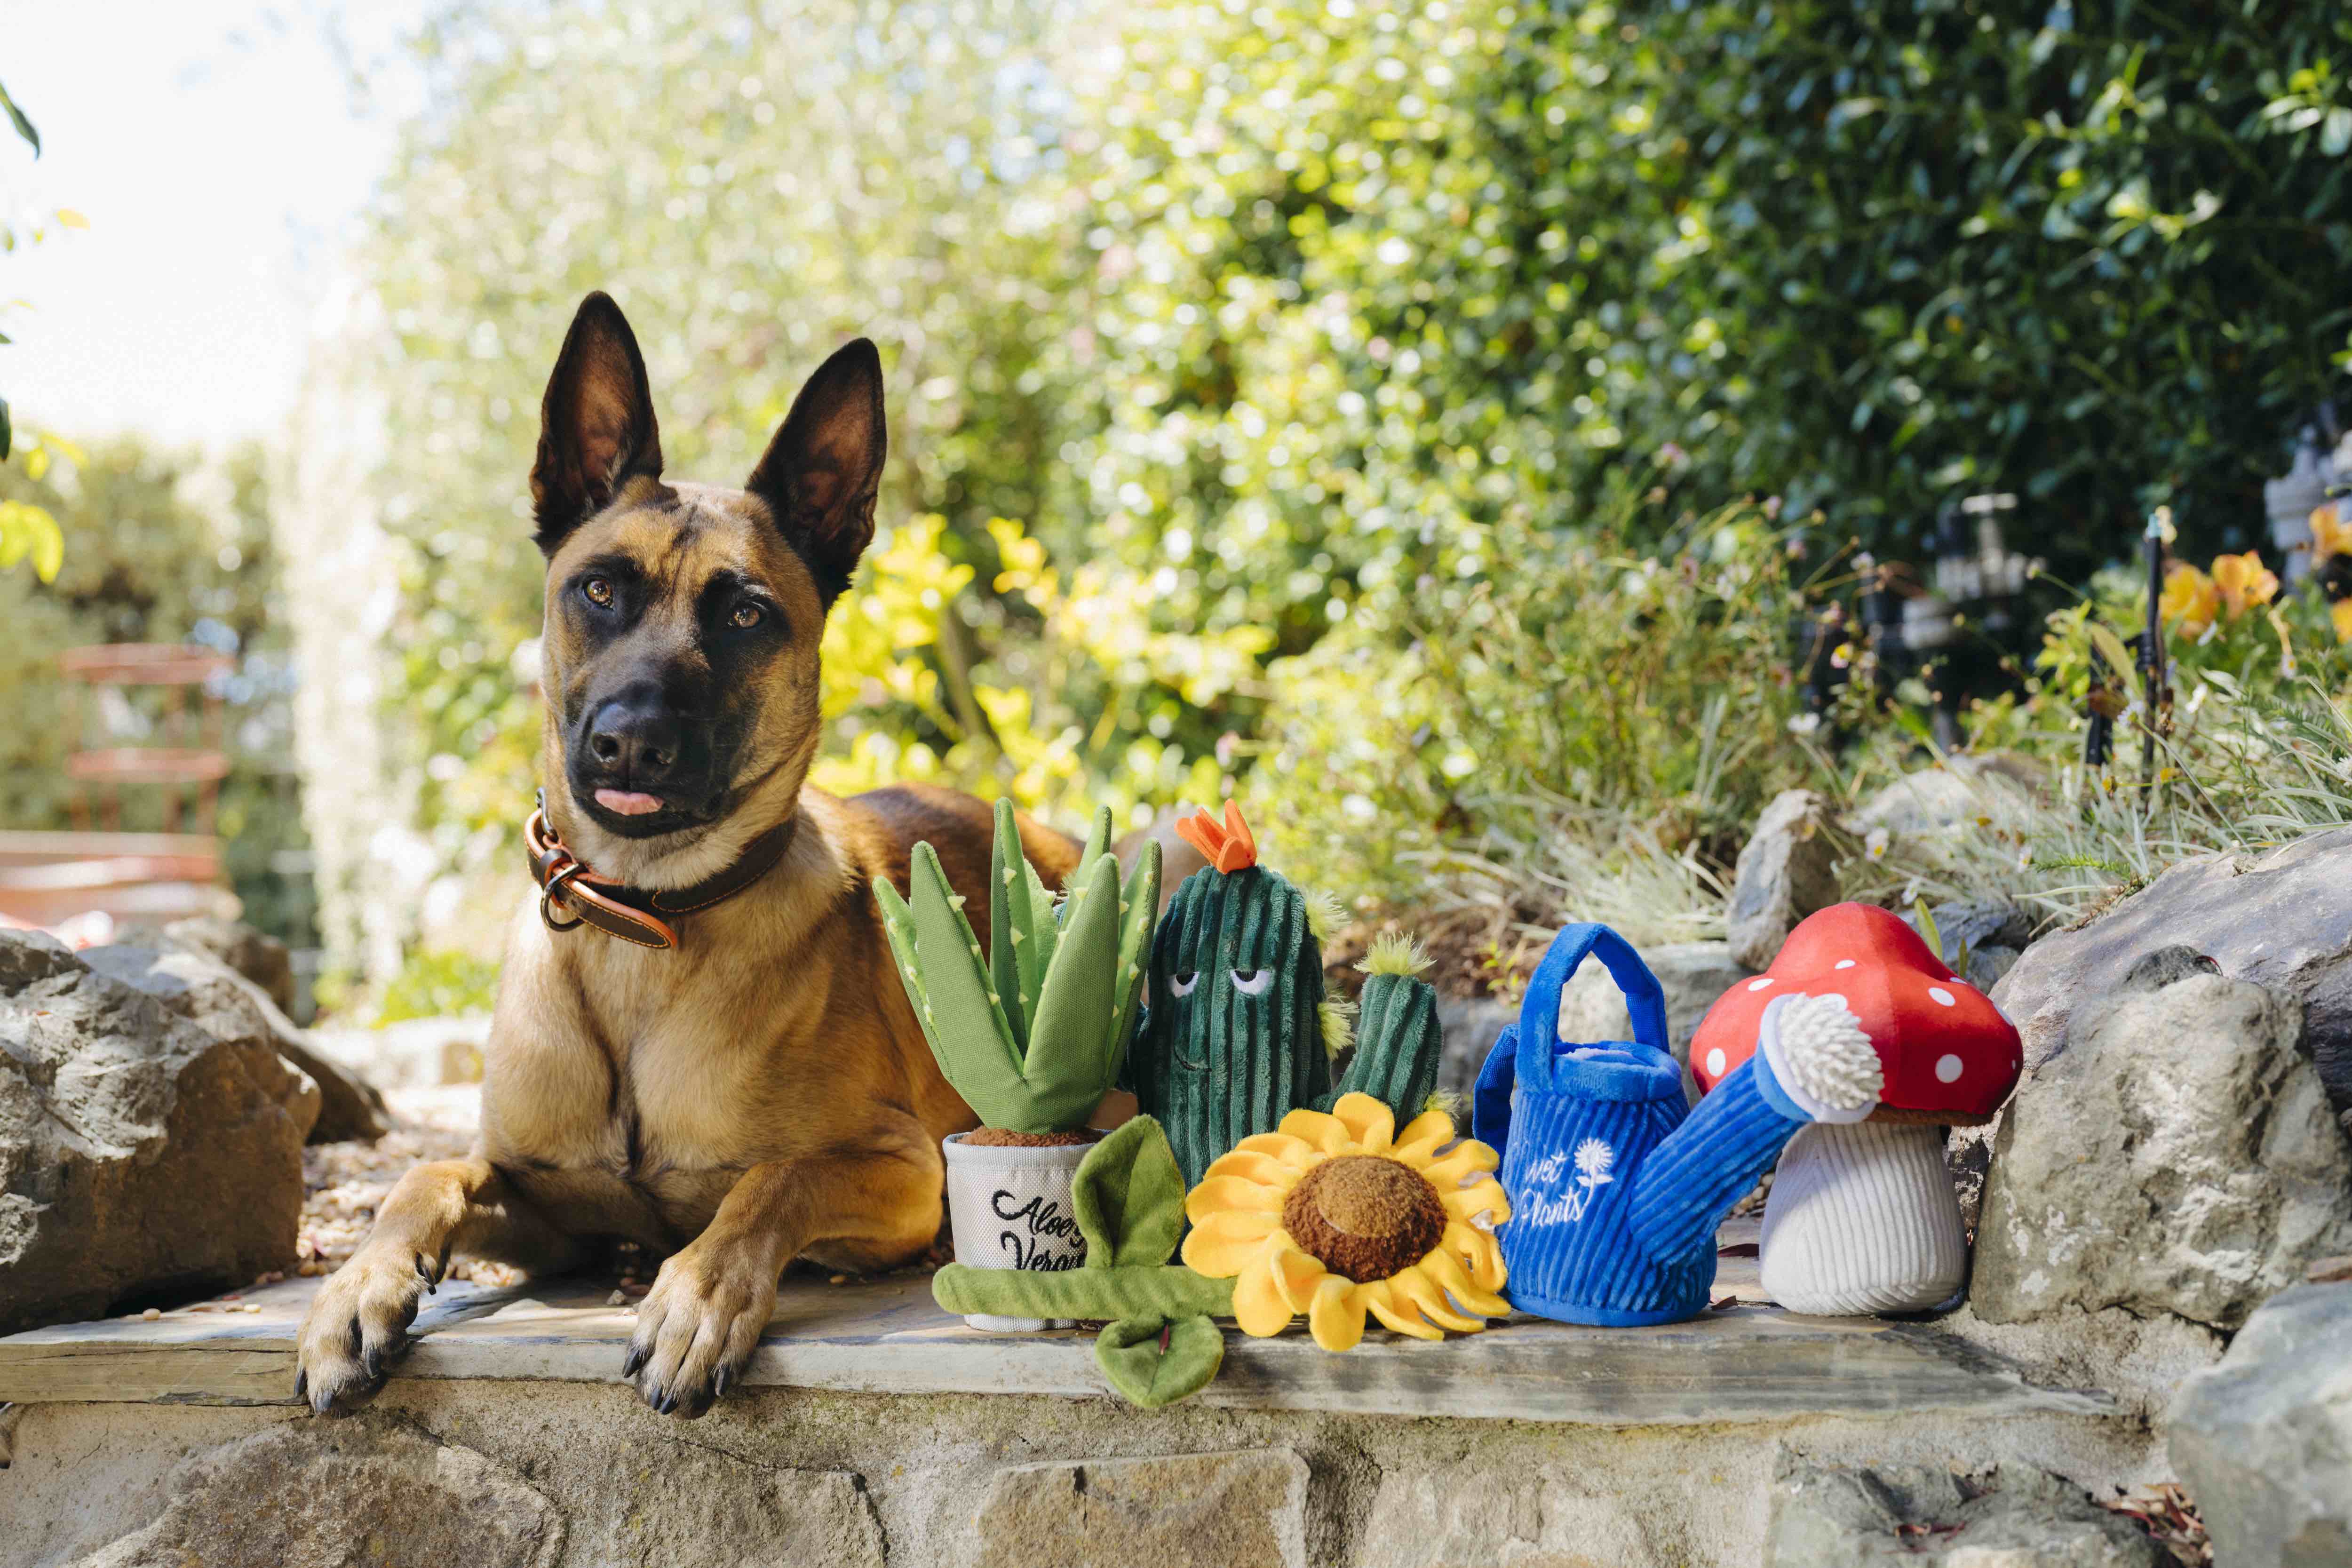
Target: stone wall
<point>548,1474</point>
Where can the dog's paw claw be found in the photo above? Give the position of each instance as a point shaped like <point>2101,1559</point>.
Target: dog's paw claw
<point>632,1361</point>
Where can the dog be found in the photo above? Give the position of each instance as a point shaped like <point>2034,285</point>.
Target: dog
<point>761,1092</point>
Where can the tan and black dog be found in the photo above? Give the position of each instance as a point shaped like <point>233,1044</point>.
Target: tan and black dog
<point>761,1092</point>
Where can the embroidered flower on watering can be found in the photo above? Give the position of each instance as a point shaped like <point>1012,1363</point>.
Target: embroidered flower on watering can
<point>1339,1215</point>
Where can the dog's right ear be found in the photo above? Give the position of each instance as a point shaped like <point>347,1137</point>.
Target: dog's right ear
<point>596,425</point>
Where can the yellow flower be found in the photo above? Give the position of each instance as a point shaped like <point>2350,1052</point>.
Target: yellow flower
<point>1339,1215</point>
<point>2341,612</point>
<point>2330,534</point>
<point>2243,581</point>
<point>2190,601</point>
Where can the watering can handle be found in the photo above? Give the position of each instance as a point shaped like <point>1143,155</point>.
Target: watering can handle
<point>1527,1050</point>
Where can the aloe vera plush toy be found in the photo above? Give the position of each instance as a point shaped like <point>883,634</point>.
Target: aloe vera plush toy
<point>1129,1201</point>
<point>1238,1033</point>
<point>1032,1033</point>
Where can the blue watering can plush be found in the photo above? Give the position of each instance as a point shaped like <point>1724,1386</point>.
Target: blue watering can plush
<point>1616,1188</point>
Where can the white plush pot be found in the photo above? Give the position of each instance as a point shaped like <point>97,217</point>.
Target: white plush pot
<point>1010,1207</point>
<point>1862,1219</point>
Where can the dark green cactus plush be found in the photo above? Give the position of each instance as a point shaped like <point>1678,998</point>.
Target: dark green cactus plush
<point>1159,1344</point>
<point>1238,1032</point>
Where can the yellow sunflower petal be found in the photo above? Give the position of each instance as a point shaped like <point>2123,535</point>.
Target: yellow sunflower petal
<point>1398,1312</point>
<point>1483,1195</point>
<point>1254,1166</point>
<point>1297,1272</point>
<point>1472,1159</point>
<point>1233,1194</point>
<point>1258,1306</point>
<point>1481,1255</point>
<point>1335,1315</point>
<point>1415,1286</point>
<point>1368,1122</point>
<point>1448,1272</point>
<point>1326,1133</point>
<point>1221,1243</point>
<point>1294,1152</point>
<point>1422,1137</point>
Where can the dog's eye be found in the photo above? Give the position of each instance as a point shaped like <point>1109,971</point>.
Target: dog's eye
<point>1253,982</point>
<point>598,592</point>
<point>747,616</point>
<point>1181,984</point>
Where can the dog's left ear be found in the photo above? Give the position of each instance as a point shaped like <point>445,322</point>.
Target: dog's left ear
<point>820,472</point>
<point>596,428</point>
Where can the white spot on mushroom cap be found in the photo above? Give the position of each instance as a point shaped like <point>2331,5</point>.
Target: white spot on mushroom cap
<point>1846,963</point>
<point>1758,984</point>
<point>1714,1062</point>
<point>1943,999</point>
<point>1947,1068</point>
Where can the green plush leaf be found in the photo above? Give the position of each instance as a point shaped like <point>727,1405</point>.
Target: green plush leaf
<point>1139,912</point>
<point>1004,890</point>
<point>1135,1362</point>
<point>969,1035</point>
<point>1097,837</point>
<point>1041,934</point>
<point>1129,1197</point>
<point>1080,1004</point>
<point>898,926</point>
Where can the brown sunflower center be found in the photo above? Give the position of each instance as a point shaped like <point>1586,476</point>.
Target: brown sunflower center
<point>1364,1216</point>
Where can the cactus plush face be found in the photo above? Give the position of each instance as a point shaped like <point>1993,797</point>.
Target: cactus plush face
<point>1234,1036</point>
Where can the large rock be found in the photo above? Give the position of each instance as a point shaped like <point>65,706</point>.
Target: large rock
<point>1520,1515</point>
<point>1471,1026</point>
<point>1955,798</point>
<point>2174,1153</point>
<point>203,989</point>
<point>2281,919</point>
<point>2265,1439</point>
<point>320,1494</point>
<point>699,1508</point>
<point>1187,1511</point>
<point>139,1155</point>
<point>1827,1517</point>
<point>1992,932</point>
<point>256,955</point>
<point>1788,870</point>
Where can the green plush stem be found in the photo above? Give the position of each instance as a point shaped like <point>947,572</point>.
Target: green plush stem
<point>1220,1064</point>
<point>1170,1290</point>
<point>1399,1045</point>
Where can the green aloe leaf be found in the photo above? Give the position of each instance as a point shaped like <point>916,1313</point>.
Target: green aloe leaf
<point>968,1031</point>
<point>1005,891</point>
<point>1080,998</point>
<point>1139,913</point>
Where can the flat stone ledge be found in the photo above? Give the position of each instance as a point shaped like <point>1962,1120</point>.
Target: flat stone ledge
<point>1741,1362</point>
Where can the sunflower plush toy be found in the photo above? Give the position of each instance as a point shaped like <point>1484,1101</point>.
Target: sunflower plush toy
<point>1340,1216</point>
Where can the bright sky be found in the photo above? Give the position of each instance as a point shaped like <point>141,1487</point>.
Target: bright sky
<point>219,151</point>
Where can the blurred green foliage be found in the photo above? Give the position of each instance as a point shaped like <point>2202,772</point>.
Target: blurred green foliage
<point>1345,392</point>
<point>165,548</point>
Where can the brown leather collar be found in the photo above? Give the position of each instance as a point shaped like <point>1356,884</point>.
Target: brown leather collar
<point>632,914</point>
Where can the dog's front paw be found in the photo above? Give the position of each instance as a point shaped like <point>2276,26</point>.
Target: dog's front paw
<point>698,1327</point>
<point>357,1327</point>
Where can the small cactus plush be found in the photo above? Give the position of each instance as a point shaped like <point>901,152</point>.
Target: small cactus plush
<point>1032,1032</point>
<point>1238,1033</point>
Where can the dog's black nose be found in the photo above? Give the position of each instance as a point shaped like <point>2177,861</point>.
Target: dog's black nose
<point>639,741</point>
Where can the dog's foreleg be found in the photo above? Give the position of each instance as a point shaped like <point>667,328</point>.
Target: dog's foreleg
<point>698,1327</point>
<point>360,1320</point>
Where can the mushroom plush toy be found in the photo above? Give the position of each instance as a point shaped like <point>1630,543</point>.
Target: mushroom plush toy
<point>1862,1216</point>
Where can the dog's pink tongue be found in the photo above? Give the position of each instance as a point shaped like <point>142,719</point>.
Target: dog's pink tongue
<point>627,802</point>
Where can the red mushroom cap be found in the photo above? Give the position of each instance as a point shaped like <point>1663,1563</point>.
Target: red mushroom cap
<point>1948,1052</point>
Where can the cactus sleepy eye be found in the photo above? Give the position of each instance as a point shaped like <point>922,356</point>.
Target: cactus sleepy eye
<point>1181,984</point>
<point>1251,982</point>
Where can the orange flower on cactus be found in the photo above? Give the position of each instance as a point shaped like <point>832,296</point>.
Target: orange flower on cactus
<point>2330,534</point>
<point>2190,601</point>
<point>2244,581</point>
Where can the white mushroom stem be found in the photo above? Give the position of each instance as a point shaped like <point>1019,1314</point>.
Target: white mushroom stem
<point>1862,1218</point>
